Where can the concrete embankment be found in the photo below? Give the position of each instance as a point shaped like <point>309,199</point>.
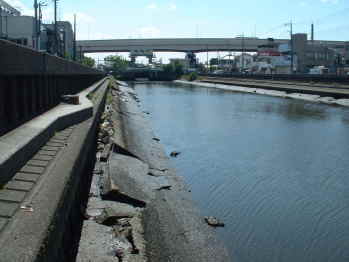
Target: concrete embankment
<point>139,209</point>
<point>40,204</point>
<point>318,95</point>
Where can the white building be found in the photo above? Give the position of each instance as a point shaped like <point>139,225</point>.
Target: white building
<point>16,28</point>
<point>244,62</point>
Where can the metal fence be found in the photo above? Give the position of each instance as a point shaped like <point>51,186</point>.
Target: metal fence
<point>33,82</point>
<point>22,97</point>
<point>295,77</point>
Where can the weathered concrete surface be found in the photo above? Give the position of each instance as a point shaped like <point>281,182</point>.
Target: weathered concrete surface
<point>101,244</point>
<point>18,146</point>
<point>173,227</point>
<point>294,87</point>
<point>317,95</point>
<point>123,219</point>
<point>47,232</point>
<point>96,208</point>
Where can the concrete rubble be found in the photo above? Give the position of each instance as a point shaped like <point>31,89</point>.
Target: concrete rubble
<point>113,229</point>
<point>139,209</point>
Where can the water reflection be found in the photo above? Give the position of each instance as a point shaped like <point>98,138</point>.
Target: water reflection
<point>275,170</point>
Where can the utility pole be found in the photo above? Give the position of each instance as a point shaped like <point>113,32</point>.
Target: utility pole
<point>208,67</point>
<point>312,43</point>
<point>0,21</point>
<point>243,53</point>
<point>74,48</point>
<point>39,22</point>
<point>291,45</point>
<point>242,58</point>
<point>36,25</point>
<point>55,26</point>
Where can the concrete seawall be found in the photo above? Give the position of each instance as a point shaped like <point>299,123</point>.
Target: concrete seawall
<point>284,92</point>
<point>98,187</point>
<point>40,207</point>
<point>136,174</point>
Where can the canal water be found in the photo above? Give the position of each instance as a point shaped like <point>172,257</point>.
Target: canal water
<point>274,170</point>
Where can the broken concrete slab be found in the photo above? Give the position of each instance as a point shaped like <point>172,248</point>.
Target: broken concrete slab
<point>127,180</point>
<point>104,209</point>
<point>97,244</point>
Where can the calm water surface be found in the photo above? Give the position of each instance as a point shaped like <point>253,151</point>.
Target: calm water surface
<point>274,170</point>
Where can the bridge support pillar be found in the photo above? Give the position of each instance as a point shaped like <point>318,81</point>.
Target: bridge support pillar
<point>191,57</point>
<point>133,59</point>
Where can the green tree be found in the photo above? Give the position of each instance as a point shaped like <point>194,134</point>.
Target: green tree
<point>174,69</point>
<point>116,63</point>
<point>178,69</point>
<point>88,61</point>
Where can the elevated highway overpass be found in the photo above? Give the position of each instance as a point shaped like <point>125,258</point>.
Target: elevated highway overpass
<point>194,45</point>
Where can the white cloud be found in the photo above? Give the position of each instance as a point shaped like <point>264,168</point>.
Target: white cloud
<point>172,7</point>
<point>152,6</point>
<point>24,9</point>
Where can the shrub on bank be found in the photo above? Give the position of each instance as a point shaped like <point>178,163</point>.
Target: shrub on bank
<point>192,76</point>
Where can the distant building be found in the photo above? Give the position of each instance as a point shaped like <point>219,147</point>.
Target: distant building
<point>8,10</point>
<point>65,38</point>
<point>244,62</point>
<point>14,27</point>
<point>19,29</point>
<point>22,30</point>
<point>310,55</point>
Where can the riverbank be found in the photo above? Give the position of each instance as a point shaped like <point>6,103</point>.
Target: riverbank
<point>271,168</point>
<point>139,209</point>
<point>316,95</point>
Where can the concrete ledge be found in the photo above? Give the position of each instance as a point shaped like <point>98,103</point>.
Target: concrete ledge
<point>19,145</point>
<point>50,230</point>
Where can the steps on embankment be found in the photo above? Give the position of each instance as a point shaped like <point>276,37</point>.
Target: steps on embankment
<point>44,168</point>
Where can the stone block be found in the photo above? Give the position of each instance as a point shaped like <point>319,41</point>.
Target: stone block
<point>40,163</point>
<point>55,144</point>
<point>26,177</point>
<point>42,157</point>
<point>50,148</point>
<point>47,153</point>
<point>12,195</point>
<point>8,209</point>
<point>33,169</point>
<point>19,185</point>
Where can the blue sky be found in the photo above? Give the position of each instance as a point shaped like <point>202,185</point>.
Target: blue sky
<point>103,19</point>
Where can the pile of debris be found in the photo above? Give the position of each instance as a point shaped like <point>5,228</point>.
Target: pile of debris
<point>112,230</point>
<point>105,135</point>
